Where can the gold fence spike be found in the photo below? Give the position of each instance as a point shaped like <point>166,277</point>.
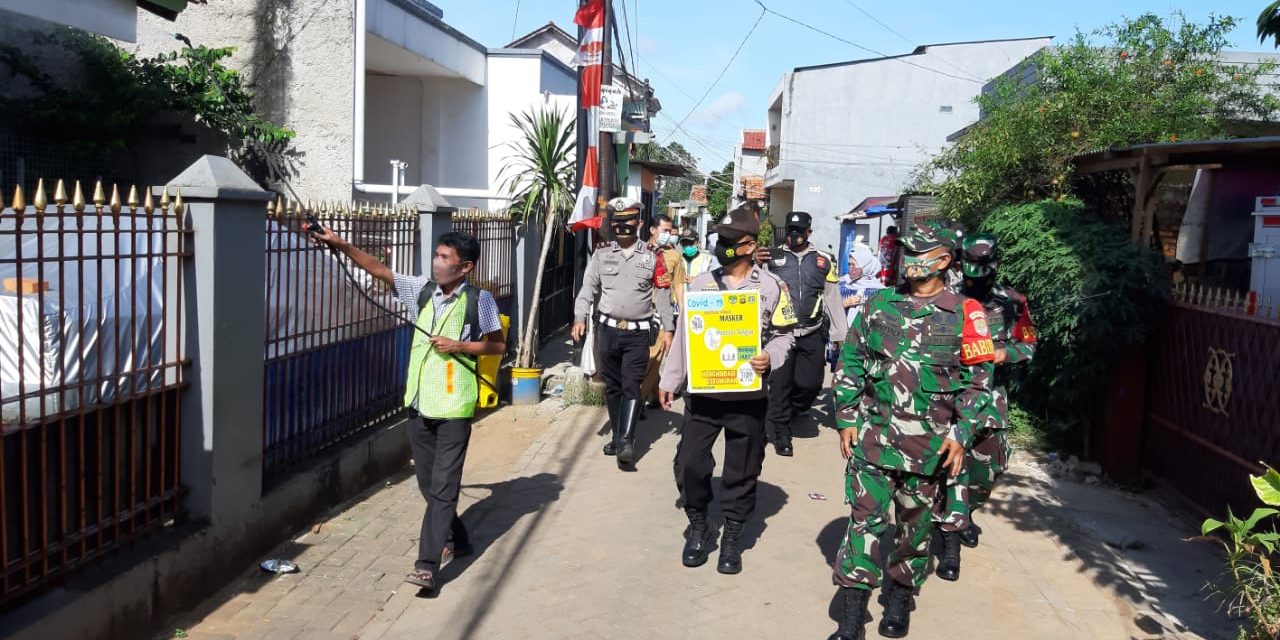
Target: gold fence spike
<point>59,193</point>
<point>147,204</point>
<point>77,200</point>
<point>115,198</point>
<point>1238,303</point>
<point>164,200</point>
<point>99,196</point>
<point>40,200</point>
<point>279,206</point>
<point>271,208</point>
<point>293,207</point>
<point>1216,299</point>
<point>19,203</point>
<point>310,205</point>
<point>178,206</point>
<point>133,197</point>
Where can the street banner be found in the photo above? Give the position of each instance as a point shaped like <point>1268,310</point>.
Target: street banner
<point>722,334</point>
<point>588,60</point>
<point>610,116</point>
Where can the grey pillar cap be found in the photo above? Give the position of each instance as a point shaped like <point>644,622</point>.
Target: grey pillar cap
<point>428,200</point>
<point>215,177</point>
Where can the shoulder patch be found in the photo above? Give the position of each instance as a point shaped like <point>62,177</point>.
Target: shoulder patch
<point>976,346</point>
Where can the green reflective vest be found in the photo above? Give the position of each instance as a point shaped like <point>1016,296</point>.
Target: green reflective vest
<point>438,385</point>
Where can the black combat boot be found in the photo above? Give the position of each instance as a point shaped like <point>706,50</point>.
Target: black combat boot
<point>730,552</point>
<point>899,601</point>
<point>853,614</point>
<point>969,537</point>
<point>628,416</point>
<point>949,559</point>
<point>697,539</point>
<point>612,403</point>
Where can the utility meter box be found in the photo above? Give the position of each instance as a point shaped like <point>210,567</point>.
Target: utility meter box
<point>1264,251</point>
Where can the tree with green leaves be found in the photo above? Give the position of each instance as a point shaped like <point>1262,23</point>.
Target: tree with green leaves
<point>720,189</point>
<point>673,189</point>
<point>539,179</point>
<point>1145,80</point>
<point>1269,23</point>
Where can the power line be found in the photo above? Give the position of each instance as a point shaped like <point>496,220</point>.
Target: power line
<point>515,21</point>
<point>904,38</point>
<point>626,21</point>
<point>726,67</point>
<point>859,46</point>
<point>674,84</point>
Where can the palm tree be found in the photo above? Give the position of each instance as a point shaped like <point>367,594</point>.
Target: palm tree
<point>540,177</point>
<point>1269,23</point>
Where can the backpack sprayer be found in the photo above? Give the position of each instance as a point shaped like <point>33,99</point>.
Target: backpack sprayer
<point>314,226</point>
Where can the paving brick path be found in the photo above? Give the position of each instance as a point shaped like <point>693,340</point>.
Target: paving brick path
<point>571,547</point>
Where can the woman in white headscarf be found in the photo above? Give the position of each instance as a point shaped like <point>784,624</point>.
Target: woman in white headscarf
<point>861,281</point>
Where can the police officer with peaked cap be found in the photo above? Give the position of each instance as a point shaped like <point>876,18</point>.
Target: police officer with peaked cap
<point>620,279</point>
<point>814,288</point>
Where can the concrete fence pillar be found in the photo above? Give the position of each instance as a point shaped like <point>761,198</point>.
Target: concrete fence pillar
<point>528,248</point>
<point>435,218</point>
<point>225,314</point>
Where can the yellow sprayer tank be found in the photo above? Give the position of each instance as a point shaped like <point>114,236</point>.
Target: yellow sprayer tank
<point>487,367</point>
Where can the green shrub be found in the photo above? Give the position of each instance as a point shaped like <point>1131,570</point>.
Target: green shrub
<point>1250,588</point>
<point>1092,294</point>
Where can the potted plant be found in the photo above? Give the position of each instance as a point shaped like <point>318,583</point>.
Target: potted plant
<point>539,180</point>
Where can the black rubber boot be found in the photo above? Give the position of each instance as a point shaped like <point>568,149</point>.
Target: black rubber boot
<point>628,416</point>
<point>899,601</point>
<point>612,404</point>
<point>949,559</point>
<point>853,614</point>
<point>730,551</point>
<point>697,539</point>
<point>969,537</point>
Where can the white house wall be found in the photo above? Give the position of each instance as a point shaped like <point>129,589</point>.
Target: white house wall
<point>859,130</point>
<point>426,39</point>
<point>299,59</point>
<point>393,127</point>
<point>516,85</point>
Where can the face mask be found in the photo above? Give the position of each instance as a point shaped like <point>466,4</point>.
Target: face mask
<point>624,230</point>
<point>919,269</point>
<point>665,239</point>
<point>689,251</point>
<point>727,254</point>
<point>978,285</point>
<point>797,239</point>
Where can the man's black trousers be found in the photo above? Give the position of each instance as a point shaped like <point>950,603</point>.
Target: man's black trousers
<point>439,450</point>
<point>794,386</point>
<point>623,357</point>
<point>744,443</point>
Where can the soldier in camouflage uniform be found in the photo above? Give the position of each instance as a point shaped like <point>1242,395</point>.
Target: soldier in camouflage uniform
<point>1014,336</point>
<point>917,369</point>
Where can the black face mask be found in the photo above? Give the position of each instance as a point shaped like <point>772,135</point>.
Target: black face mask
<point>727,254</point>
<point>623,230</point>
<point>978,286</point>
<point>797,239</point>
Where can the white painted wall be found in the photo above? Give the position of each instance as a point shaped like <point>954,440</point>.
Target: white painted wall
<point>393,127</point>
<point>858,130</point>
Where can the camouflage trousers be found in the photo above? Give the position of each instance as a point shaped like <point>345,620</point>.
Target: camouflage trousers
<point>870,491</point>
<point>985,462</point>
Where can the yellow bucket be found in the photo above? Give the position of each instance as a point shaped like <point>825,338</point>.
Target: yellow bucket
<point>487,367</point>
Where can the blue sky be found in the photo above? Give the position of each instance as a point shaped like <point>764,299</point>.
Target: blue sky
<point>683,45</point>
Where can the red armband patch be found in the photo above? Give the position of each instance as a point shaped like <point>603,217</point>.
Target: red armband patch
<point>975,337</point>
<point>1025,330</point>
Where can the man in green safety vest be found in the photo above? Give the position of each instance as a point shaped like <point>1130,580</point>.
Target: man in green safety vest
<point>457,323</point>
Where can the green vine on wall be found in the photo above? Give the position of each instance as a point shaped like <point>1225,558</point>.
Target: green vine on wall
<point>117,95</point>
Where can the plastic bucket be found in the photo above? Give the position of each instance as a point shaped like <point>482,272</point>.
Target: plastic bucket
<point>487,367</point>
<point>526,386</point>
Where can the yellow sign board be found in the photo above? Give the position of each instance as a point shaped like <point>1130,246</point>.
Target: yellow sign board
<point>722,334</point>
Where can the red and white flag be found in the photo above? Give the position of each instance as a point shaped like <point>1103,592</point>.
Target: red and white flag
<point>590,55</point>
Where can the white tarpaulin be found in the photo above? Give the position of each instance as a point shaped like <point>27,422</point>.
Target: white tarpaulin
<point>99,321</point>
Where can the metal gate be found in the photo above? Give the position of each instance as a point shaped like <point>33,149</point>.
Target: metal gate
<point>556,301</point>
<point>1211,413</point>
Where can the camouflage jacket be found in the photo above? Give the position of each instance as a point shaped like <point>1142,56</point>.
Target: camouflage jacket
<point>1009,318</point>
<point>913,377</point>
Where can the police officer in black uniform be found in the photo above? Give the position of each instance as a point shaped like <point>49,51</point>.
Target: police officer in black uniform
<point>620,279</point>
<point>814,288</point>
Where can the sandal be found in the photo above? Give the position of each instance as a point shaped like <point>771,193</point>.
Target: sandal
<point>421,578</point>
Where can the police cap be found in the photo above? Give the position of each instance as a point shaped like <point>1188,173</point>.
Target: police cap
<point>741,221</point>
<point>799,220</point>
<point>624,208</point>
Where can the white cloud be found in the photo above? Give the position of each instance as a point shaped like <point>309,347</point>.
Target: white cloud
<point>726,105</point>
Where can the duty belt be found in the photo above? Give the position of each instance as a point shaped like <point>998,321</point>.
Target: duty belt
<point>626,325</point>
